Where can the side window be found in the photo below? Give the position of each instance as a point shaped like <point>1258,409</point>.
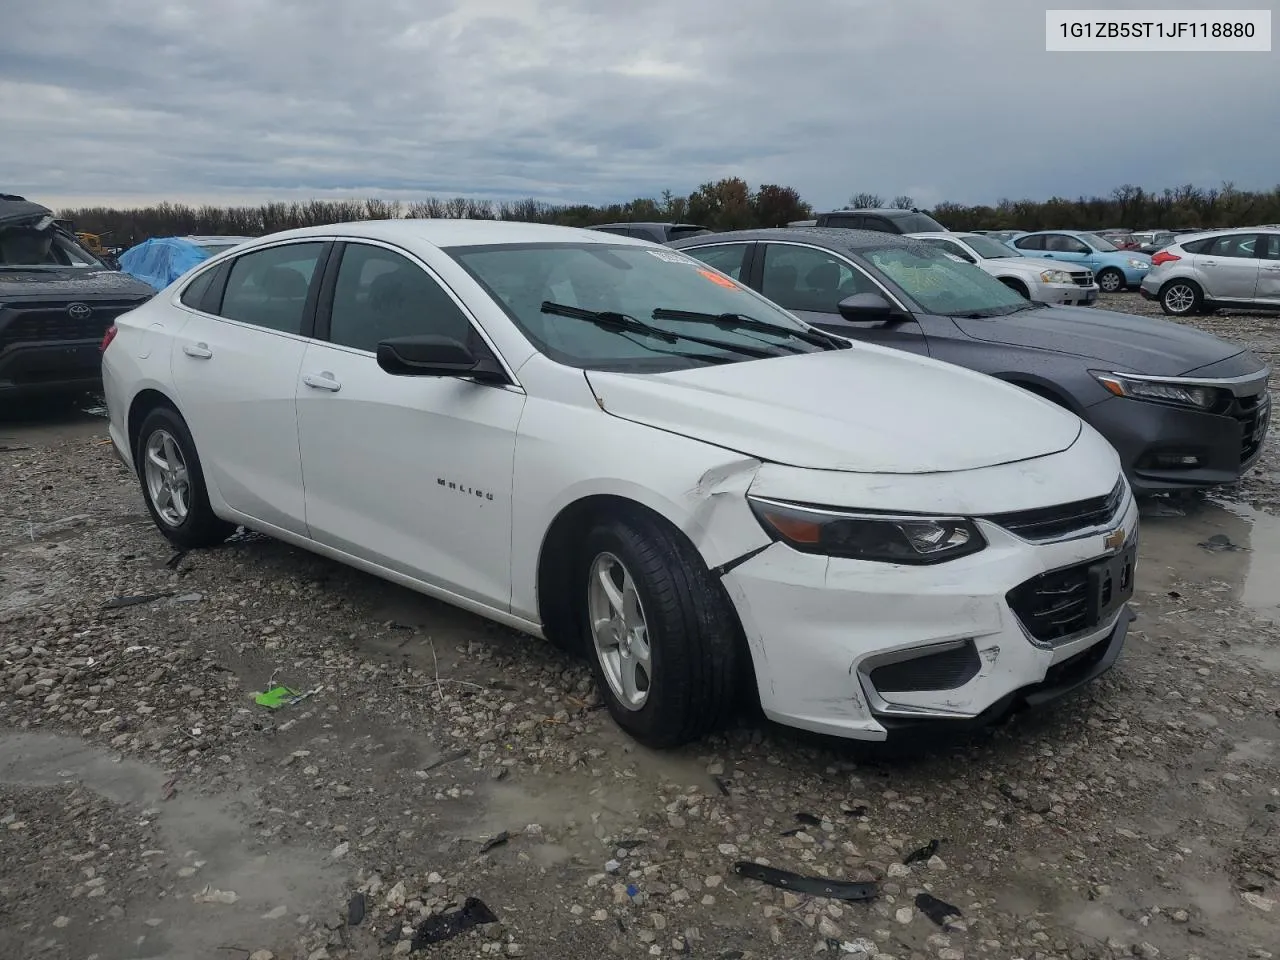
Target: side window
<point>848,221</point>
<point>946,246</point>
<point>726,257</point>
<point>195,291</point>
<point>1270,246</point>
<point>804,278</point>
<point>1233,245</point>
<point>879,224</point>
<point>1030,243</point>
<point>380,295</point>
<point>268,288</point>
<point>1197,246</point>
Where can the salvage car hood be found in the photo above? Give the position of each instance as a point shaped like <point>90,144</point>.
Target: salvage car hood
<point>1037,264</point>
<point>863,410</point>
<point>1119,341</point>
<point>69,283</point>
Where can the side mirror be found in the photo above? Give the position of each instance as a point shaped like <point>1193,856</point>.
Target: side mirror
<point>865,307</point>
<point>433,356</point>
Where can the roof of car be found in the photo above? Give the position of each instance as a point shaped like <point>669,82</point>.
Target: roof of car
<point>649,223</point>
<point>880,211</point>
<point>16,209</point>
<point>204,238</point>
<point>834,238</point>
<point>454,232</point>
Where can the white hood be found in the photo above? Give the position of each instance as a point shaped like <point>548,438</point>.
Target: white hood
<point>864,410</point>
<point>1041,263</point>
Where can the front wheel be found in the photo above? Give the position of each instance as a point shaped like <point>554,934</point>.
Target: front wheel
<point>1180,298</point>
<point>173,482</point>
<point>1111,280</point>
<point>661,629</point>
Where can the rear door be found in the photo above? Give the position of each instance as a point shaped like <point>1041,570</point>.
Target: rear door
<point>810,282</point>
<point>729,258</point>
<point>235,365</point>
<point>1231,265</point>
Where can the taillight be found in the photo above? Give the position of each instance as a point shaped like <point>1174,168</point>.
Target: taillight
<point>1163,257</point>
<point>107,338</point>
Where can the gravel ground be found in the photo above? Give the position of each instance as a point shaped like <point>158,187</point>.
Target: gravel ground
<point>150,809</point>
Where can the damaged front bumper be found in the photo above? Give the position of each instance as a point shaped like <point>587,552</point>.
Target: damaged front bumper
<point>858,649</point>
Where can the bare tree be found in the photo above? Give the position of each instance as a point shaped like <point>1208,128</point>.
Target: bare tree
<point>903,202</point>
<point>865,201</point>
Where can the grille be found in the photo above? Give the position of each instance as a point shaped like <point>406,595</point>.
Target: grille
<point>1083,279</point>
<point>1251,412</point>
<point>1053,605</point>
<point>946,670</point>
<point>1053,523</point>
<point>20,324</point>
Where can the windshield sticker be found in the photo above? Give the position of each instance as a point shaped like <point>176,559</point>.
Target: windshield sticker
<point>669,257</point>
<point>718,278</point>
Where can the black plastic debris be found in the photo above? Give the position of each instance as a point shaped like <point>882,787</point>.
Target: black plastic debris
<point>447,758</point>
<point>1219,543</point>
<point>808,819</point>
<point>497,840</point>
<point>355,910</point>
<point>798,883</point>
<point>446,926</point>
<point>939,911</point>
<point>924,853</point>
<point>118,603</point>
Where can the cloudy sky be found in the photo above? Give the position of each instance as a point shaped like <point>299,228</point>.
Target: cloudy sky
<point>132,101</point>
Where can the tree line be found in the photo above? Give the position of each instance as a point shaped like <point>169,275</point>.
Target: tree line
<point>728,204</point>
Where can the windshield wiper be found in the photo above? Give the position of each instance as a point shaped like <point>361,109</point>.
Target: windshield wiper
<point>624,323</point>
<point>738,321</point>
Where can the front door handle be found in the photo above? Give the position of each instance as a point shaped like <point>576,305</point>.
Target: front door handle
<point>322,381</point>
<point>199,351</point>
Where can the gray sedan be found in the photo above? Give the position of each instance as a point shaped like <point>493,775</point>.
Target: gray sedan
<point>1183,408</point>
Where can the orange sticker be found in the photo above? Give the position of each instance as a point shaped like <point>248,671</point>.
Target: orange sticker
<point>717,278</point>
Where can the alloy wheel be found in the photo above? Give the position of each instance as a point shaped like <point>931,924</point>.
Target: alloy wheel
<point>1180,298</point>
<point>168,482</point>
<point>619,631</point>
<point>1110,282</point>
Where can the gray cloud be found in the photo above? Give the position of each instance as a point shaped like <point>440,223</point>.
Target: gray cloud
<point>582,100</point>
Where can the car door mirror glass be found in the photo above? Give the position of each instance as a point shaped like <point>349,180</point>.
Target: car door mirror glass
<point>865,307</point>
<point>435,356</point>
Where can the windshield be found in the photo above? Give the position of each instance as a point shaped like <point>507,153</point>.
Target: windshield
<point>630,280</point>
<point>918,223</point>
<point>1098,243</point>
<point>942,285</point>
<point>989,249</point>
<point>23,246</point>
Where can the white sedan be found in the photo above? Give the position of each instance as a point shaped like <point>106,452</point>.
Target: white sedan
<point>612,445</point>
<point>1042,281</point>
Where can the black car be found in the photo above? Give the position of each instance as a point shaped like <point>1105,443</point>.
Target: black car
<point>56,302</point>
<point>1183,408</point>
<point>882,221</point>
<point>656,231</point>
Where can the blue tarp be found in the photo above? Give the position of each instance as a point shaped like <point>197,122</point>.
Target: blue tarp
<point>161,260</point>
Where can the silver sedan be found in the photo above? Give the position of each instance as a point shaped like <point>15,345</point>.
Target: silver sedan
<point>1217,268</point>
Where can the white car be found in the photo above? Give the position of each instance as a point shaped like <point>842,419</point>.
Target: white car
<point>1037,279</point>
<point>610,444</point>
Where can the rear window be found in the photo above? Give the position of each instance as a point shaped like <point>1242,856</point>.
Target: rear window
<point>918,223</point>
<point>680,232</point>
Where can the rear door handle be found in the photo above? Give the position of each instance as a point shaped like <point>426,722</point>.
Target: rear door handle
<point>199,351</point>
<point>322,381</point>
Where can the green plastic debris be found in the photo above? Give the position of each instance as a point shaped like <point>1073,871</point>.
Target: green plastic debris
<point>278,697</point>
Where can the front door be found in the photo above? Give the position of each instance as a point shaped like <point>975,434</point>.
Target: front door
<point>810,282</point>
<point>1231,266</point>
<point>1063,246</point>
<point>1268,290</point>
<point>411,473</point>
<point>234,374</point>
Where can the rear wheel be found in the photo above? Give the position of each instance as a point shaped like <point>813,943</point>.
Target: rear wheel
<point>173,482</point>
<point>662,634</point>
<point>1179,298</point>
<point>1110,280</point>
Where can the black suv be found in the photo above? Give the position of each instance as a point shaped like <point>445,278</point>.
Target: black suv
<point>56,302</point>
<point>883,221</point>
<point>657,232</point>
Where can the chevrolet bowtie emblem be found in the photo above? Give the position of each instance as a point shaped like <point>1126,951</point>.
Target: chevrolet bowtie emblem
<point>1115,539</point>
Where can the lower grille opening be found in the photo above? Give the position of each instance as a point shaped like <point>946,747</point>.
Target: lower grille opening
<point>945,670</point>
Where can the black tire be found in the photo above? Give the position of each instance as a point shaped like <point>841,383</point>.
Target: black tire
<point>1181,298</point>
<point>200,527</point>
<point>1111,280</point>
<point>1017,286</point>
<point>692,631</point>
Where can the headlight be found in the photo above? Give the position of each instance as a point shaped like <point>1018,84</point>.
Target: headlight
<point>1138,264</point>
<point>1055,276</point>
<point>884,539</point>
<point>1182,394</point>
